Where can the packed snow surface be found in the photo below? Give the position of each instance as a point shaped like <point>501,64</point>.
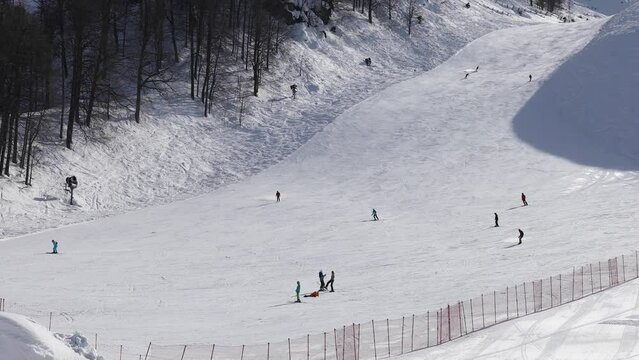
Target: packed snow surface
<point>23,339</point>
<point>435,155</point>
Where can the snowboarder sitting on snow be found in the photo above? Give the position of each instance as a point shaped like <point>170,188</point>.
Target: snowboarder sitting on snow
<point>297,292</point>
<point>523,199</point>
<point>321,276</point>
<point>374,214</point>
<point>368,61</point>
<point>55,247</point>
<point>496,220</point>
<point>331,281</point>
<point>313,294</point>
<point>277,196</point>
<point>521,235</point>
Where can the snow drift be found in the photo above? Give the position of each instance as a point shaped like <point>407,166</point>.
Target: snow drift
<point>23,339</point>
<point>587,111</point>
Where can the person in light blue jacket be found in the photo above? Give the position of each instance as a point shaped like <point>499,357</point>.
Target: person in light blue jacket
<point>55,246</point>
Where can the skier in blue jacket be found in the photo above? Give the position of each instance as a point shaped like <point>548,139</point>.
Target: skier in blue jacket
<point>297,291</point>
<point>55,246</point>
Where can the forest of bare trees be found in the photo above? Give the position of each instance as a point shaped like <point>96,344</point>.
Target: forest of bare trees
<point>87,57</point>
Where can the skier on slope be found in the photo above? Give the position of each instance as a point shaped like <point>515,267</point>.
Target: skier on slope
<point>521,235</point>
<point>55,247</point>
<point>374,214</point>
<point>321,277</point>
<point>277,196</point>
<point>331,281</point>
<point>523,199</point>
<point>530,78</point>
<point>297,292</point>
<point>496,220</point>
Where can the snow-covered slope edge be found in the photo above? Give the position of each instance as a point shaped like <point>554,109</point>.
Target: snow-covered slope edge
<point>600,327</point>
<point>23,339</point>
<point>587,111</point>
<point>176,153</point>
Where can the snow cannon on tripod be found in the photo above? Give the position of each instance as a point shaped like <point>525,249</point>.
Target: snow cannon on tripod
<point>71,183</point>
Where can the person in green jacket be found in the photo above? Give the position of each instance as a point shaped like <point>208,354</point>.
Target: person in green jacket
<point>297,292</point>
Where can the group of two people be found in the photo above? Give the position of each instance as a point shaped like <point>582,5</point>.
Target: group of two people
<point>323,286</point>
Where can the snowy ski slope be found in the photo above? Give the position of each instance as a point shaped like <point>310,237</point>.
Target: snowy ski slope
<point>435,155</point>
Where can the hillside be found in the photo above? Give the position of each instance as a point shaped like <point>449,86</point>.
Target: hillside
<point>119,169</point>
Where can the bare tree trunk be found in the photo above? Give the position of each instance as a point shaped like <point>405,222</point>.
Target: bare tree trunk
<point>76,83</point>
<point>63,52</point>
<point>198,48</point>
<point>214,76</point>
<point>14,157</point>
<point>159,33</point>
<point>100,57</point>
<point>257,47</point>
<point>144,33</point>
<point>268,42</point>
<point>209,40</point>
<point>172,24</point>
<point>244,30</point>
<point>62,105</point>
<point>9,143</point>
<point>126,21</point>
<point>192,69</point>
